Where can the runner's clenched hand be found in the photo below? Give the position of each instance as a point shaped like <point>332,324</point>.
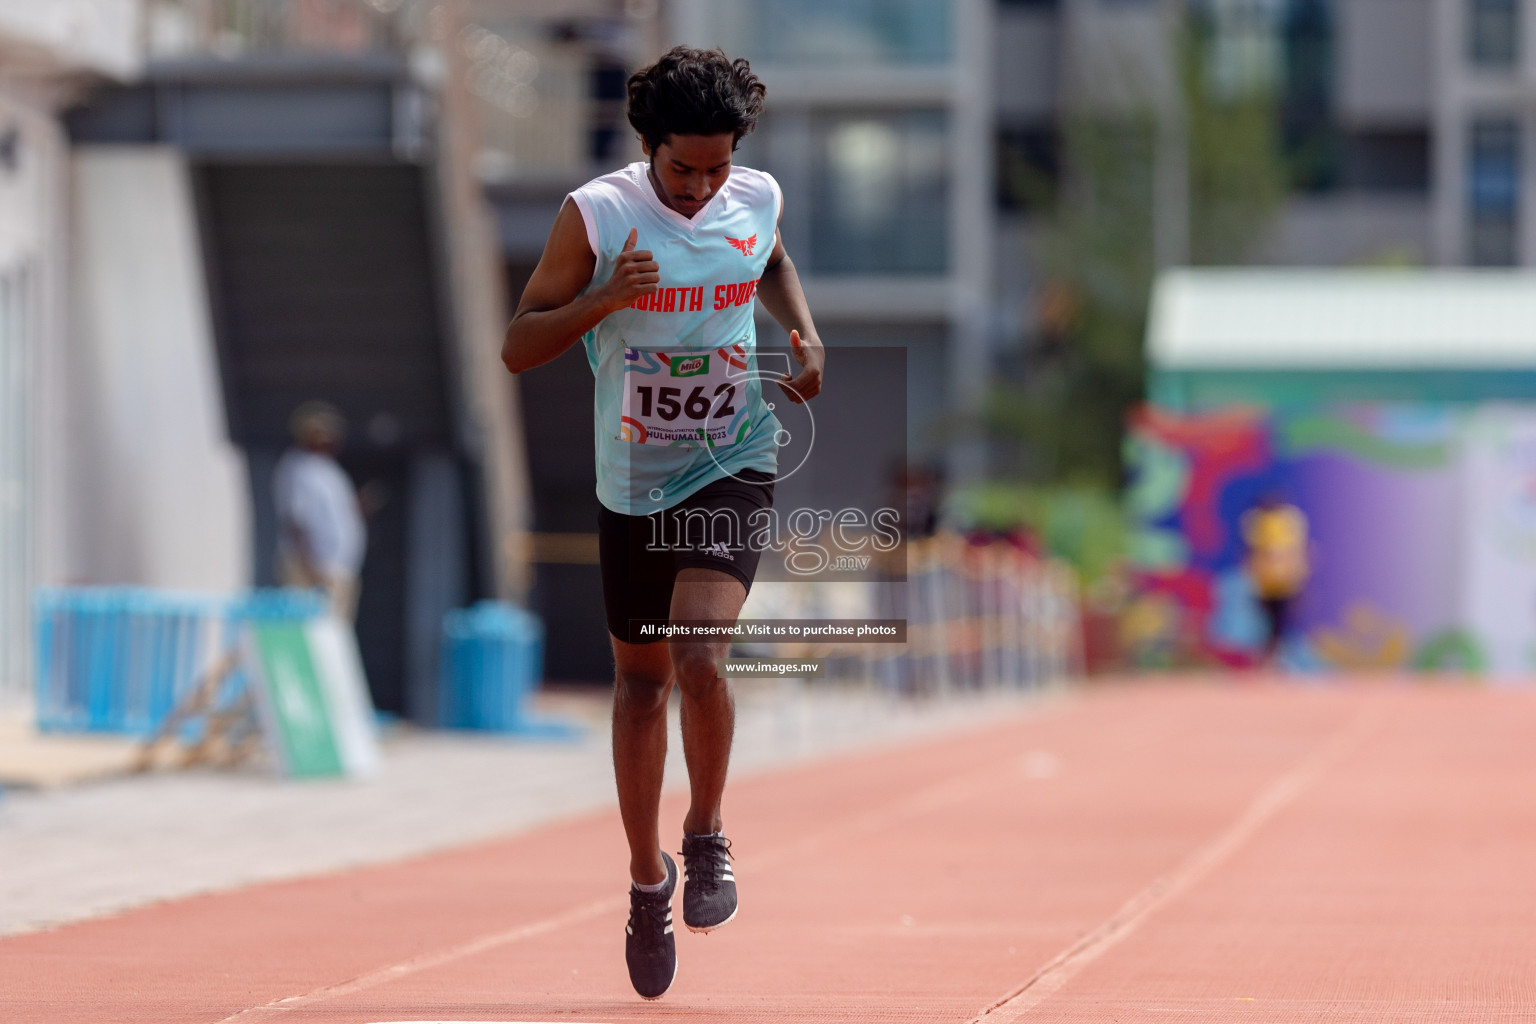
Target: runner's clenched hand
<point>635,273</point>
<point>809,354</point>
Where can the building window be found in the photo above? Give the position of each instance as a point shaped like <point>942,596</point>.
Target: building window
<point>1245,46</point>
<point>1307,127</point>
<point>1256,49</point>
<point>1386,161</point>
<point>847,32</point>
<point>879,194</point>
<point>1494,32</point>
<point>1028,167</point>
<point>1495,192</point>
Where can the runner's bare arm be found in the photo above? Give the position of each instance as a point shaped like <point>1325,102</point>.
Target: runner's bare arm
<point>785,301</point>
<point>552,315</point>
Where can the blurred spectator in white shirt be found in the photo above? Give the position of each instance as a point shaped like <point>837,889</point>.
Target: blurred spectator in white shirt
<point>321,535</point>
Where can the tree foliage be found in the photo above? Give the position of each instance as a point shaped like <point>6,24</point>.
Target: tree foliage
<point>1064,420</point>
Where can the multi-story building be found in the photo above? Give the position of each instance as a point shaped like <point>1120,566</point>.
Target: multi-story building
<point>888,120</point>
<point>1355,85</point>
<point>1485,61</point>
<point>879,130</point>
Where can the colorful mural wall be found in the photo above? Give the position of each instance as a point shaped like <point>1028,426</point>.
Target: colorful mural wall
<point>1423,535</point>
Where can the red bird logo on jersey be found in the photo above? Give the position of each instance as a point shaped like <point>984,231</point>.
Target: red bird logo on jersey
<point>746,245</point>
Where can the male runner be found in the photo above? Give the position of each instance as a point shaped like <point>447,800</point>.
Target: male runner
<point>654,268</point>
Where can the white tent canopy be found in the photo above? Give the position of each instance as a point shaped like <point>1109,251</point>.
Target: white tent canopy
<point>1384,319</point>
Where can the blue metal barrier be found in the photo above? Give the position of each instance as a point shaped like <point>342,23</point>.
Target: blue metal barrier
<point>492,659</point>
<point>118,659</point>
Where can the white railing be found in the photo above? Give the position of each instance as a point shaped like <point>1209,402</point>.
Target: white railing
<point>231,28</point>
<point>979,616</point>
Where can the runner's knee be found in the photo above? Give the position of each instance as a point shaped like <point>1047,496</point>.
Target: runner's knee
<point>697,672</point>
<point>641,693</point>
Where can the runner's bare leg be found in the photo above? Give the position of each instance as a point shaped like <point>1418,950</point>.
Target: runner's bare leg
<point>644,677</point>
<point>708,710</point>
<point>643,680</point>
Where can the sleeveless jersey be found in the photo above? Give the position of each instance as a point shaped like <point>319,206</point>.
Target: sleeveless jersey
<point>678,400</point>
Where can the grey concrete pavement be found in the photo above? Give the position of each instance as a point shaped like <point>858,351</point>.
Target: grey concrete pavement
<point>79,852</point>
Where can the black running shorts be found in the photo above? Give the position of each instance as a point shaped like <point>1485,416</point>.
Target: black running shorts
<point>642,555</point>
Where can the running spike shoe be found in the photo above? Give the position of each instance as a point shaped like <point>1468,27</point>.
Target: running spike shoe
<point>709,884</point>
<point>650,948</point>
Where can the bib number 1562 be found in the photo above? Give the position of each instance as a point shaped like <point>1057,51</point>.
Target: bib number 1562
<point>683,398</point>
<point>669,404</point>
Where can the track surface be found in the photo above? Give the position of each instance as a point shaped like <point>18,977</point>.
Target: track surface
<point>1150,852</point>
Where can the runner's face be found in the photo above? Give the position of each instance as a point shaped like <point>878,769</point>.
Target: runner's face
<point>686,170</point>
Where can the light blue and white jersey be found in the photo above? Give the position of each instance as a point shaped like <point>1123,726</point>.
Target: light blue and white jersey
<point>679,403</point>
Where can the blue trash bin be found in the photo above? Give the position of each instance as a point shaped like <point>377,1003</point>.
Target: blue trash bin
<point>492,660</point>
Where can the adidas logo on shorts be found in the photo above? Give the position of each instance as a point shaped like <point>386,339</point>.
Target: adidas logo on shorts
<point>719,550</point>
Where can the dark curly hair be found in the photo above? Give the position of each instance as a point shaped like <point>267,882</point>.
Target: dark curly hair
<point>695,92</point>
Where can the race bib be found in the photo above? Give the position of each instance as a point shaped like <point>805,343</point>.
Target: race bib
<point>685,399</point>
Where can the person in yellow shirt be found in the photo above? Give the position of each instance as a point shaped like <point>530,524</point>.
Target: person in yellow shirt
<point>1276,534</point>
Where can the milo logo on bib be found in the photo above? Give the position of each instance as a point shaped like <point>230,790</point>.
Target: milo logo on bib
<point>692,366</point>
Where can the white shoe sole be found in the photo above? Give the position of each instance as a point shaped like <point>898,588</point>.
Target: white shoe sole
<point>722,924</point>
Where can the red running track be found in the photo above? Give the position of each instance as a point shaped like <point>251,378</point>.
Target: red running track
<point>1144,852</point>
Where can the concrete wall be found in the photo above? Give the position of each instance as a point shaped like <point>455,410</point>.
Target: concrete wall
<point>1386,74</point>
<point>1027,64</point>
<point>1116,55</point>
<point>158,496</point>
<point>32,159</point>
<point>45,48</point>
<point>1349,228</point>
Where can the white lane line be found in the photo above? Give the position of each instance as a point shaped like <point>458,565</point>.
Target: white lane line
<point>1281,793</point>
<point>932,797</point>
<point>427,961</point>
